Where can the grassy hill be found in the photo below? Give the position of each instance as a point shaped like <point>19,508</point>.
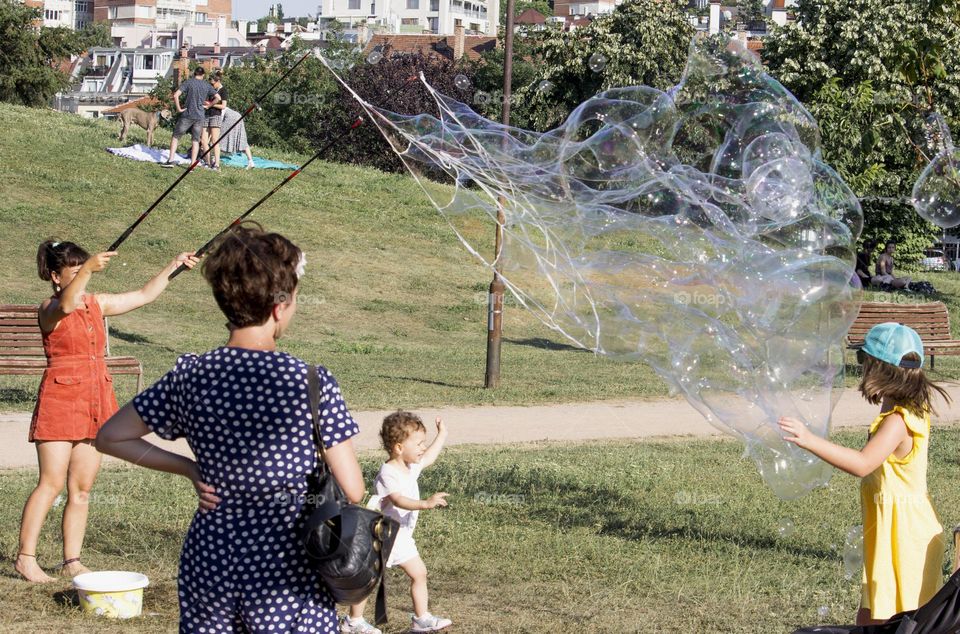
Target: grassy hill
<point>391,301</point>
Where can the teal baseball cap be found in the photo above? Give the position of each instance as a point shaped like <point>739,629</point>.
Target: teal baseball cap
<point>890,342</point>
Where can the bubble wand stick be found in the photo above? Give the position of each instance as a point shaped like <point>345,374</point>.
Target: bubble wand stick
<point>356,124</point>
<point>126,234</point>
<point>206,247</point>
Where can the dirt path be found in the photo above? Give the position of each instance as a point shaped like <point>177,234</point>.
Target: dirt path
<point>494,425</point>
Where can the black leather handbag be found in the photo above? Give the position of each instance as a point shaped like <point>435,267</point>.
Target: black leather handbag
<point>348,544</point>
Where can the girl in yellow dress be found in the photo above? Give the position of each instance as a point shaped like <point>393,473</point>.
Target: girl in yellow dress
<point>903,543</point>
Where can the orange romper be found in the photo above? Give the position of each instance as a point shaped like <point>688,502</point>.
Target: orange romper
<point>76,391</point>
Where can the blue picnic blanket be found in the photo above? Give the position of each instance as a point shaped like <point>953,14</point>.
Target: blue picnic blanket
<point>140,152</point>
<point>240,160</point>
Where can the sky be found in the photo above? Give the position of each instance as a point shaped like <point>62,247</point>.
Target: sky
<point>253,9</point>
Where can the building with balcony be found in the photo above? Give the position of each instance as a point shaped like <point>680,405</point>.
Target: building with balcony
<point>437,17</point>
<point>163,14</point>
<point>71,14</point>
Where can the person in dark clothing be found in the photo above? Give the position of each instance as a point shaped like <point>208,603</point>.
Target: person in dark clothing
<point>864,260</point>
<point>199,95</point>
<point>214,121</point>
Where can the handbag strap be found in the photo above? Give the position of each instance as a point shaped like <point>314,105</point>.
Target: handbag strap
<point>325,512</point>
<point>313,387</point>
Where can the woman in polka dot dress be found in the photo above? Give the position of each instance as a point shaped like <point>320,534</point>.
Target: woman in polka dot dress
<point>244,409</point>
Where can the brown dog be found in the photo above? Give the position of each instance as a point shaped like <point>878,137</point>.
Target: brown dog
<point>146,120</point>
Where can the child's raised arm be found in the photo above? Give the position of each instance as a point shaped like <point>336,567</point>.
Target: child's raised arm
<point>430,455</point>
<point>891,433</point>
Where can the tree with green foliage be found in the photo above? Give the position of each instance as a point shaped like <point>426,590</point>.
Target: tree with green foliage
<point>393,83</point>
<point>288,116</point>
<point>639,42</point>
<point>871,72</point>
<point>543,6</point>
<point>750,11</point>
<point>94,34</point>
<point>29,55</point>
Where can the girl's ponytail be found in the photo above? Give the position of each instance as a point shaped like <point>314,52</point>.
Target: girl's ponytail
<point>53,256</point>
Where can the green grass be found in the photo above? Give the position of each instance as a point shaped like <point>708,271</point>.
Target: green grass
<point>665,536</point>
<point>392,302</point>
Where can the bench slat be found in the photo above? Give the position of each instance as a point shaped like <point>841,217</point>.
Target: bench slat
<point>931,321</point>
<point>21,346</point>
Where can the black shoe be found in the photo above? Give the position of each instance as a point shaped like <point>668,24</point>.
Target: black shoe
<point>167,164</point>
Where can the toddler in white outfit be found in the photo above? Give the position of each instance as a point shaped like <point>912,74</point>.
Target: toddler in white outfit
<point>397,494</point>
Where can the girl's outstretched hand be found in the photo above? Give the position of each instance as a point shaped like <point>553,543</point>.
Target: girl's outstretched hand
<point>99,261</point>
<point>188,259</point>
<point>795,431</point>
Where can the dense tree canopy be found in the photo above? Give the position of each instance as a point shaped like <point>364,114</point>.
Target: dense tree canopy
<point>29,54</point>
<point>872,72</point>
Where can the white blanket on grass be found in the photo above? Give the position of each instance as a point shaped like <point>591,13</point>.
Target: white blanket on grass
<point>148,154</point>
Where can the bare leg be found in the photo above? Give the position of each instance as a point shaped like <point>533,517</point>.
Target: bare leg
<point>356,611</point>
<point>250,161</point>
<point>214,137</point>
<point>204,141</point>
<point>54,460</point>
<point>417,571</point>
<point>863,618</point>
<point>194,149</point>
<point>173,148</point>
<point>84,465</point>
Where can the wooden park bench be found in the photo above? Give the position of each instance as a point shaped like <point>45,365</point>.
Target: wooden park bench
<point>21,346</point>
<point>931,322</point>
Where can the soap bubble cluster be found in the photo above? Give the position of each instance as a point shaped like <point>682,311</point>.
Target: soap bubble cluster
<point>696,230</point>
<point>936,194</point>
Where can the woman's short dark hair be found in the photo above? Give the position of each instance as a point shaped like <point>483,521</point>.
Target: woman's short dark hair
<point>251,271</point>
<point>53,256</point>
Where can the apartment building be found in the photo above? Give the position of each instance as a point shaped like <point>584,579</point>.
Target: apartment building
<point>439,17</point>
<point>163,14</point>
<point>72,14</point>
<point>563,8</point>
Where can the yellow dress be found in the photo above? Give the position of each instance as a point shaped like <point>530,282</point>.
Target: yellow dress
<point>903,542</point>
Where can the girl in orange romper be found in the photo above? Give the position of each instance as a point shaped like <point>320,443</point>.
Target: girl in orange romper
<point>76,394</point>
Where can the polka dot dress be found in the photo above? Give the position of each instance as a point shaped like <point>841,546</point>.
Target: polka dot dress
<point>246,416</point>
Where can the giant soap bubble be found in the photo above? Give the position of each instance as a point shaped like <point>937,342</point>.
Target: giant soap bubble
<point>936,194</point>
<point>696,230</point>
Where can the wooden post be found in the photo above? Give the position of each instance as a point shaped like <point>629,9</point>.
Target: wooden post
<point>495,305</point>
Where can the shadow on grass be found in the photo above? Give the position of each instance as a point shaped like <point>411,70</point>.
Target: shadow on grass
<point>567,502</point>
<point>16,395</point>
<point>132,337</point>
<point>67,598</point>
<point>545,344</point>
<point>427,381</point>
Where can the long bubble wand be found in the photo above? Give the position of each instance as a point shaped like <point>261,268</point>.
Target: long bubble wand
<point>126,234</point>
<point>356,124</point>
<point>206,247</point>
